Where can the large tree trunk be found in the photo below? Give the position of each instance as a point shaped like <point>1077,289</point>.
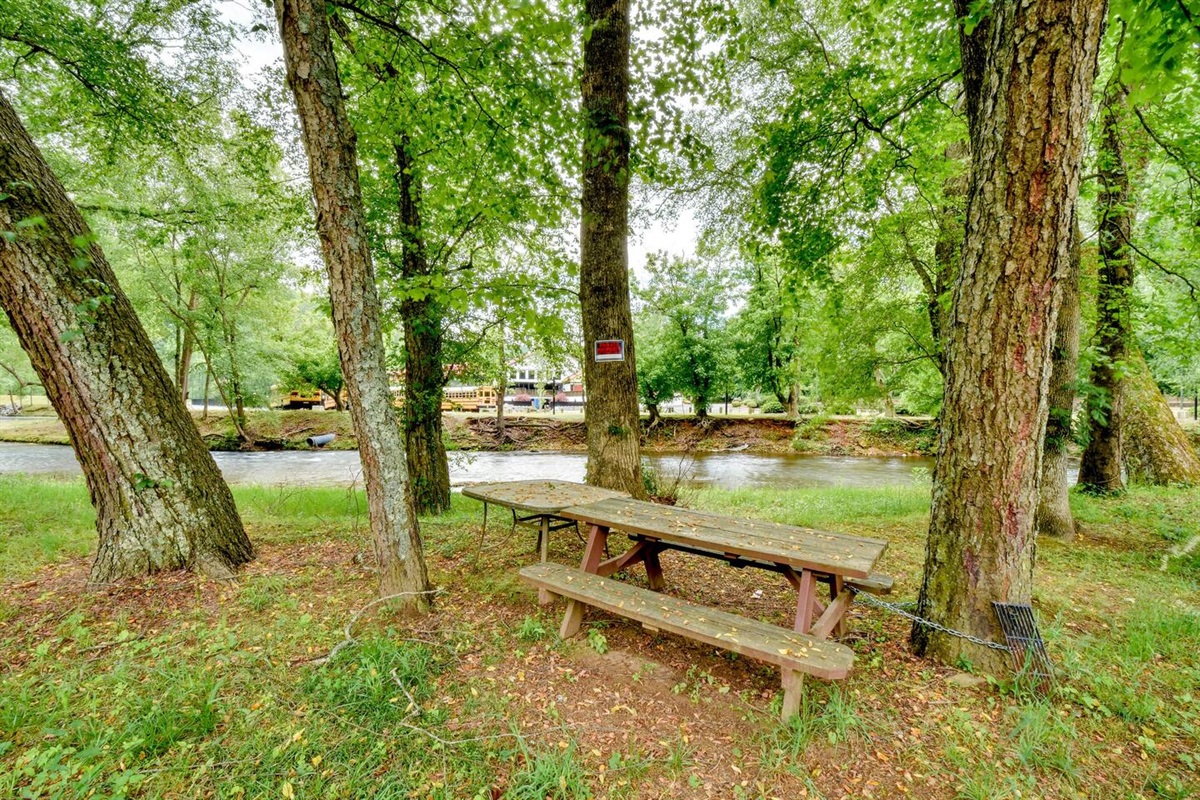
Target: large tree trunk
<point>1027,73</point>
<point>1157,450</point>
<point>160,501</point>
<point>428,467</point>
<point>341,227</point>
<point>502,389</point>
<point>611,413</point>
<point>1054,510</point>
<point>1100,467</point>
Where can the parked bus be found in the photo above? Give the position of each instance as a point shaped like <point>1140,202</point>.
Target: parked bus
<point>469,398</point>
<point>302,399</point>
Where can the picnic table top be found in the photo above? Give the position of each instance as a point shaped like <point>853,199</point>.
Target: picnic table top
<point>772,542</point>
<point>539,496</point>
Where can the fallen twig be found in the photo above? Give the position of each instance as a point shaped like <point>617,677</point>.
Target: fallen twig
<point>325,659</point>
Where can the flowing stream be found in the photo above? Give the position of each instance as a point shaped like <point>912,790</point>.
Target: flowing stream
<point>341,467</point>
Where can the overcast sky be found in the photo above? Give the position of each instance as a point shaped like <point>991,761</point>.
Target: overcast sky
<point>678,237</point>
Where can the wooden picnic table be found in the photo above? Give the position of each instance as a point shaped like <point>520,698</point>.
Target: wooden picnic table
<point>536,504</point>
<point>804,556</point>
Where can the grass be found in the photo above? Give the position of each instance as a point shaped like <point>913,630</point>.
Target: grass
<point>175,687</point>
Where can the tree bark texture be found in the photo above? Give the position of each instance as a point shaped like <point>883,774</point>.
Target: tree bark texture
<point>1028,70</point>
<point>1054,509</point>
<point>611,414</point>
<point>424,378</point>
<point>160,500</point>
<point>341,226</point>
<point>1100,466</point>
<point>1156,449</point>
<point>502,387</point>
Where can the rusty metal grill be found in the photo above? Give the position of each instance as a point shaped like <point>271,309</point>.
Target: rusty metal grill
<point>1025,645</point>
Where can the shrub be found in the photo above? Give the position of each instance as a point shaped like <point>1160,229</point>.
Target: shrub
<point>771,406</point>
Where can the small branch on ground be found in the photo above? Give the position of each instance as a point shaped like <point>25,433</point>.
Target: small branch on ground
<point>325,659</point>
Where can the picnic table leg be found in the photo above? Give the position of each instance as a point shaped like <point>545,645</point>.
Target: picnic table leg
<point>806,595</point>
<point>482,533</point>
<point>654,572</point>
<point>836,586</point>
<point>544,597</point>
<point>793,691</point>
<point>597,537</point>
<point>572,620</point>
<point>833,615</point>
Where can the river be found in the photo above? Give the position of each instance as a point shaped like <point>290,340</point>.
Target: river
<point>341,467</point>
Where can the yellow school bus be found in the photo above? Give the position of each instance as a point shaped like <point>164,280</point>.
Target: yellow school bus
<point>468,398</point>
<point>302,399</point>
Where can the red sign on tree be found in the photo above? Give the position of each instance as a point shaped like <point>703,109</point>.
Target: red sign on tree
<point>610,349</point>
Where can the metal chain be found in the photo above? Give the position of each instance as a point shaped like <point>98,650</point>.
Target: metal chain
<point>928,623</point>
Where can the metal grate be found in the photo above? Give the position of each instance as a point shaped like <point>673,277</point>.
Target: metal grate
<point>1028,651</point>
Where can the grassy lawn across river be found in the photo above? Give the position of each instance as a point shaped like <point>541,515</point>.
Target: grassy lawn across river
<point>179,687</point>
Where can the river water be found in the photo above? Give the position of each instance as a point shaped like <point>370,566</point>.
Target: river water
<point>342,468</point>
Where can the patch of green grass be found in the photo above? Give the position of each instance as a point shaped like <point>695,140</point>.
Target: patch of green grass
<point>42,522</point>
<point>215,693</point>
<point>264,591</point>
<point>1143,672</point>
<point>531,629</point>
<point>1043,740</point>
<point>551,774</point>
<point>828,507</point>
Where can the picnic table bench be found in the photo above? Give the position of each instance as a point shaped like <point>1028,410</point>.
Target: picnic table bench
<point>805,557</point>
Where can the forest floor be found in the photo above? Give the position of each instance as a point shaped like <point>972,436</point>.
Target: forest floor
<point>178,687</point>
<point>289,430</point>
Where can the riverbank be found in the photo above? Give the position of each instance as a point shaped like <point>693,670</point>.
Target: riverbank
<point>177,687</point>
<point>289,430</point>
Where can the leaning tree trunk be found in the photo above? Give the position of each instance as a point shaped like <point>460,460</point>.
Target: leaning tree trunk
<point>341,226</point>
<point>611,413</point>
<point>1027,73</point>
<point>1054,509</point>
<point>1157,450</point>
<point>428,467</point>
<point>1100,466</point>
<point>160,501</point>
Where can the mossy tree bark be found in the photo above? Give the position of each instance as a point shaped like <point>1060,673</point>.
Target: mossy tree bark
<point>160,500</point>
<point>421,314</point>
<point>1027,73</point>
<point>1100,466</point>
<point>1054,516</point>
<point>611,414</point>
<point>341,226</point>
<point>1156,449</point>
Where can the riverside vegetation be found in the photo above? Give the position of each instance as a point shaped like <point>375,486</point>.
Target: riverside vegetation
<point>177,686</point>
<point>817,434</point>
